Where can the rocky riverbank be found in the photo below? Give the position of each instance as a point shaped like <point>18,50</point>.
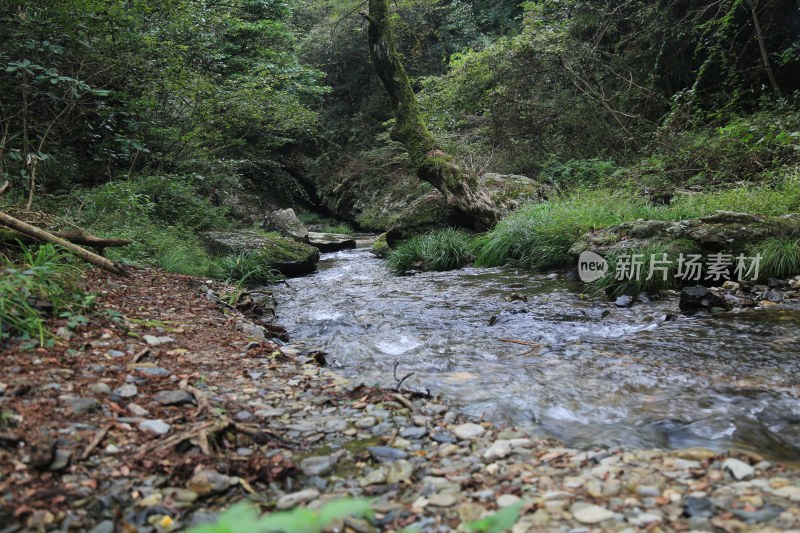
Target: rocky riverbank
<point>161,417</point>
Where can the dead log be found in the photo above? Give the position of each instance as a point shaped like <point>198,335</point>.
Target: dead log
<point>81,239</point>
<point>45,236</point>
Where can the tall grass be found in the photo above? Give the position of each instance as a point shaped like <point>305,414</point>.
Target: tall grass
<point>780,258</point>
<point>539,236</point>
<point>42,278</point>
<point>440,250</point>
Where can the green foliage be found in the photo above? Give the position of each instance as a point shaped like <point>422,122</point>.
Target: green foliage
<point>244,518</point>
<point>446,249</point>
<point>780,258</point>
<point>577,173</point>
<point>42,278</point>
<point>248,268</point>
<point>539,236</point>
<point>501,521</point>
<point>665,256</point>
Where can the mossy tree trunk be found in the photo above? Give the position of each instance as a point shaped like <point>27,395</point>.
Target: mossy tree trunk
<point>463,192</point>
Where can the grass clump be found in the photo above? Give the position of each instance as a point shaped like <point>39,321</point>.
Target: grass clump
<point>247,268</point>
<point>441,250</point>
<point>540,235</point>
<point>780,258</point>
<point>41,282</point>
<point>658,271</point>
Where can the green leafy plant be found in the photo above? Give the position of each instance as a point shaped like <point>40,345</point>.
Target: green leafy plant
<point>244,518</point>
<point>246,268</point>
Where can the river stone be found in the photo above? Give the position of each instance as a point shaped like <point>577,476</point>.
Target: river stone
<point>152,340</point>
<point>60,460</point>
<point>100,388</point>
<point>319,466</point>
<point>762,515</point>
<point>207,482</point>
<point>366,422</point>
<point>699,298</point>
<point>158,427</point>
<point>154,371</point>
<point>386,454</point>
<point>468,431</point>
<point>137,410</point>
<point>400,471</point>
<point>285,221</point>
<point>126,391</point>
<point>498,450</point>
<point>697,507</point>
<point>374,477</point>
<point>444,499</point>
<point>81,406</point>
<point>624,301</point>
<point>443,437</point>
<point>413,433</point>
<point>331,242</point>
<point>173,397</point>
<point>507,500</point>
<point>296,498</point>
<point>738,469</point>
<point>592,514</point>
<point>106,526</point>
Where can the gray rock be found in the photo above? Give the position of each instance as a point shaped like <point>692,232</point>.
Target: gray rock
<point>154,371</point>
<point>413,433</point>
<point>285,221</point>
<point>60,461</point>
<point>762,515</point>
<point>331,242</point>
<point>106,526</point>
<point>366,422</point>
<point>498,450</point>
<point>207,482</point>
<point>100,388</point>
<point>374,477</point>
<point>152,340</point>
<point>698,507</point>
<point>400,471</point>
<point>468,431</point>
<point>319,465</point>
<point>624,301</point>
<point>81,406</point>
<point>443,437</point>
<point>157,427</point>
<point>738,469</point>
<point>126,391</point>
<point>592,514</point>
<point>386,454</point>
<point>137,410</point>
<point>296,498</point>
<point>699,298</point>
<point>445,499</point>
<point>244,416</point>
<point>173,397</point>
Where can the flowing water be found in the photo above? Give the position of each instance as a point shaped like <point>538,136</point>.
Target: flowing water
<point>589,373</point>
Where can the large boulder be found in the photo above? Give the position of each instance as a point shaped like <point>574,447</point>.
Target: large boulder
<point>289,257</point>
<point>331,242</point>
<point>285,222</point>
<point>699,298</point>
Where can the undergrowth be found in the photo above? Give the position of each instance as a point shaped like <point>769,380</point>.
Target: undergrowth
<point>41,281</point>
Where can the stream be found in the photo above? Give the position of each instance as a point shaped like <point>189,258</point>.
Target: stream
<point>588,374</point>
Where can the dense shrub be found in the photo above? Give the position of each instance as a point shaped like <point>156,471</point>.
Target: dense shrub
<point>446,249</point>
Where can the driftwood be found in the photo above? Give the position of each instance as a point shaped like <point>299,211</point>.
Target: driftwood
<point>45,236</point>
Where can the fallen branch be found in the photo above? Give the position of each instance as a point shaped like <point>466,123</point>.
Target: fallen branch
<point>45,236</point>
<point>4,188</point>
<point>95,443</point>
<point>400,381</point>
<point>141,355</point>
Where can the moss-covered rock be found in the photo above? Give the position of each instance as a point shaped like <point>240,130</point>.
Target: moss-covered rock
<point>722,231</point>
<point>289,257</point>
<point>381,246</point>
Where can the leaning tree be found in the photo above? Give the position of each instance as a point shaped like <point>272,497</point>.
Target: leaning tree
<point>461,190</point>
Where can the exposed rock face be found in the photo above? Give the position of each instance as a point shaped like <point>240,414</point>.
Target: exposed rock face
<point>290,258</point>
<point>722,231</point>
<point>331,242</point>
<point>285,222</point>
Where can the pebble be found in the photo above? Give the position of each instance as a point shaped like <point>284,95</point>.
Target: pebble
<point>386,454</point>
<point>507,500</point>
<point>374,477</point>
<point>81,406</point>
<point>498,450</point>
<point>738,469</point>
<point>154,371</point>
<point>207,482</point>
<point>445,499</point>
<point>100,388</point>
<point>60,461</point>
<point>152,340</point>
<point>296,498</point>
<point>137,410</point>
<point>468,431</point>
<point>592,514</point>
<point>106,526</point>
<point>400,471</point>
<point>443,437</point>
<point>366,422</point>
<point>319,466</point>
<point>173,398</point>
<point>126,391</point>
<point>413,433</point>
<point>158,427</point>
